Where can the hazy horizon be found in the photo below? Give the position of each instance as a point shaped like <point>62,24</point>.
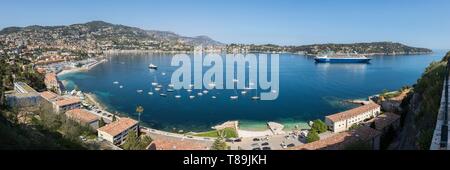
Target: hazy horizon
<point>414,23</point>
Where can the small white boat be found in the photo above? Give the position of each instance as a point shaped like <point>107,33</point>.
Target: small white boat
<point>163,73</point>
<point>200,94</point>
<point>212,84</point>
<point>171,85</point>
<point>163,95</point>
<point>170,90</point>
<point>157,89</point>
<point>205,91</point>
<point>255,98</point>
<point>213,97</point>
<point>177,96</point>
<point>150,93</point>
<point>234,97</point>
<point>154,84</point>
<point>152,66</point>
<point>159,86</point>
<point>191,85</point>
<point>189,90</point>
<point>243,92</point>
<point>120,86</point>
<point>139,91</point>
<point>191,97</point>
<point>116,82</point>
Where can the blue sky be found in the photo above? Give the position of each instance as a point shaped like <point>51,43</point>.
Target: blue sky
<point>285,22</point>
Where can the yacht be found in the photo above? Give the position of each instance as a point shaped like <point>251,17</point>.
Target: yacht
<point>150,93</point>
<point>191,97</point>
<point>152,66</point>
<point>243,92</point>
<point>234,97</point>
<point>157,89</point>
<point>200,94</point>
<point>116,82</point>
<point>205,91</point>
<point>163,95</point>
<point>154,84</point>
<point>177,96</point>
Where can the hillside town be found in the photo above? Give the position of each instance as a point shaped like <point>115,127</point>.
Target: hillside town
<point>33,58</point>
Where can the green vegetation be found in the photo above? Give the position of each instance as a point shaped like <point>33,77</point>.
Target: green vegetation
<point>42,131</point>
<point>134,142</point>
<point>319,126</point>
<point>312,136</point>
<point>219,144</point>
<point>423,103</point>
<point>226,133</point>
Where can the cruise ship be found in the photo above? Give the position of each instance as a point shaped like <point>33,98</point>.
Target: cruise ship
<point>342,58</point>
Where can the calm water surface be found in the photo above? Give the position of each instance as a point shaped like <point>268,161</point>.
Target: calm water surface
<point>307,90</point>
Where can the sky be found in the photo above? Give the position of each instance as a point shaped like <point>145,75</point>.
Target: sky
<point>421,23</point>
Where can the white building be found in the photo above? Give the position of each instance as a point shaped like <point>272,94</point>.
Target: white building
<point>342,121</point>
<point>117,132</point>
<point>65,104</point>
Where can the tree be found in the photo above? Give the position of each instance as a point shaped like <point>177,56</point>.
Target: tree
<point>312,136</point>
<point>139,110</point>
<point>219,144</point>
<point>132,142</point>
<point>114,118</point>
<point>101,122</point>
<point>319,126</point>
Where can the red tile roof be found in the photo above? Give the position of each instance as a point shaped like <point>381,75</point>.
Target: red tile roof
<point>81,115</point>
<point>48,95</point>
<point>67,101</point>
<point>118,126</point>
<point>177,144</point>
<point>341,140</point>
<point>353,112</point>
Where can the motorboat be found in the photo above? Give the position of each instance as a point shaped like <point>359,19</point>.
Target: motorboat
<point>234,97</point>
<point>152,66</point>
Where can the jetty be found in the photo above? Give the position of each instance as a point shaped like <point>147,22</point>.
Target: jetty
<point>276,128</point>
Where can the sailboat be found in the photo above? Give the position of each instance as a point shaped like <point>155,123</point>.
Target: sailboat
<point>256,97</point>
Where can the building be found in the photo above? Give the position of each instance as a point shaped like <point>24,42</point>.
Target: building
<point>52,83</point>
<point>23,96</point>
<point>117,132</point>
<point>385,121</point>
<point>361,138</point>
<point>83,117</point>
<point>65,104</point>
<point>342,121</point>
<point>49,96</point>
<point>177,144</point>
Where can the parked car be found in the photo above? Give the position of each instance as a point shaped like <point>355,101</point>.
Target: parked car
<point>238,140</point>
<point>265,144</point>
<point>290,145</point>
<point>255,145</point>
<point>256,149</point>
<point>266,148</point>
<point>256,139</point>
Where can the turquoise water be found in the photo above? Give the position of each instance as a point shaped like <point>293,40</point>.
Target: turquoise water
<point>307,90</point>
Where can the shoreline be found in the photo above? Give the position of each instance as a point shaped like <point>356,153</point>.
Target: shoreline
<point>81,69</point>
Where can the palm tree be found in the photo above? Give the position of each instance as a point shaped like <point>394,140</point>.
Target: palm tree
<point>139,110</point>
